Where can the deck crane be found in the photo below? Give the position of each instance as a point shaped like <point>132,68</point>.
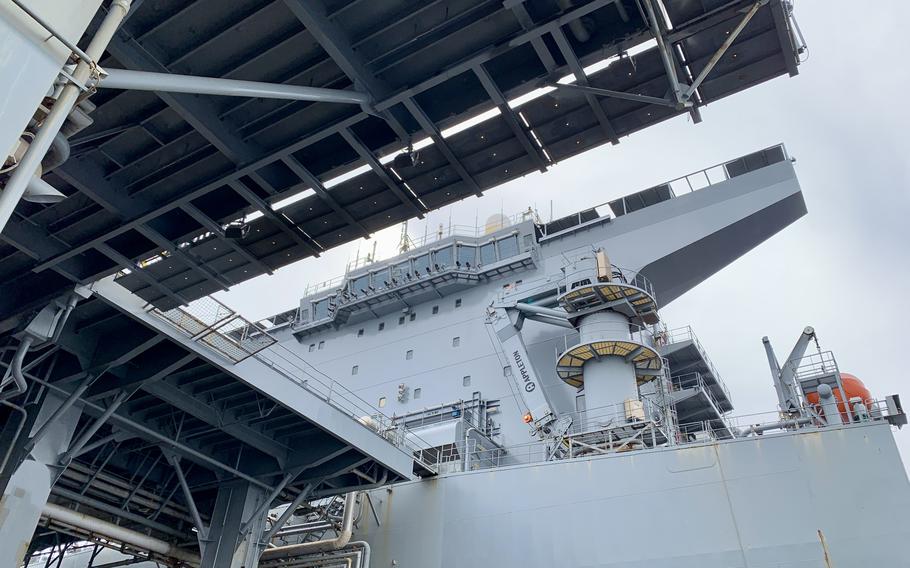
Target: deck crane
<point>506,316</point>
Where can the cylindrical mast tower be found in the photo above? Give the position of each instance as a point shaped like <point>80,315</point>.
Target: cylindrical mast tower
<point>610,306</point>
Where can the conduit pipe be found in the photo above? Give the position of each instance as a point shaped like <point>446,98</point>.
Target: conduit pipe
<point>17,184</point>
<point>759,428</point>
<point>328,545</point>
<point>16,367</point>
<point>171,83</point>
<point>114,532</point>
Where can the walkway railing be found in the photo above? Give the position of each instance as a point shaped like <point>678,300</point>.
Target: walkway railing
<point>213,324</point>
<point>220,328</point>
<point>685,333</point>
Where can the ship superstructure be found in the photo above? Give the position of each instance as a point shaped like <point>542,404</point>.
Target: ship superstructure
<point>509,395</point>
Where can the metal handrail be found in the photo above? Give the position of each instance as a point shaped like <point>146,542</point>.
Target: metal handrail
<point>686,333</point>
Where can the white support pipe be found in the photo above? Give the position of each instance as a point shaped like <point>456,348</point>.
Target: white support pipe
<point>115,532</point>
<point>339,542</point>
<point>17,184</point>
<point>172,83</point>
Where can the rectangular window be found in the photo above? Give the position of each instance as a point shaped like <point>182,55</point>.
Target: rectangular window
<point>442,258</point>
<point>321,309</point>
<point>355,369</point>
<point>508,246</point>
<point>312,347</point>
<point>435,310</point>
<point>465,256</point>
<point>466,381</point>
<point>507,371</point>
<point>382,402</point>
<point>409,354</point>
<point>401,320</point>
<point>360,332</point>
<point>321,345</point>
<point>458,303</point>
<point>422,265</point>
<point>361,284</point>
<point>488,253</point>
<point>417,392</point>
<point>456,341</point>
<point>381,325</point>
<point>381,279</point>
<point>413,316</point>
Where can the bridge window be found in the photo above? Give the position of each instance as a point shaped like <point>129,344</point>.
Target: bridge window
<point>361,284</point>
<point>382,402</point>
<point>400,271</point>
<point>507,371</point>
<point>456,341</point>
<point>422,264</point>
<point>321,309</point>
<point>508,246</point>
<point>380,278</point>
<point>355,369</point>
<point>466,381</point>
<point>466,255</point>
<point>443,258</point>
<point>488,253</point>
<point>409,354</point>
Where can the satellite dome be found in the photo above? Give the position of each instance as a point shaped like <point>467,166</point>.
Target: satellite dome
<point>496,222</point>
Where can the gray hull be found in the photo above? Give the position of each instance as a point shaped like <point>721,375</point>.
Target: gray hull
<point>767,501</point>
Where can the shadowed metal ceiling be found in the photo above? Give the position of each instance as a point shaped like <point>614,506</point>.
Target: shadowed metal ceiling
<point>162,172</point>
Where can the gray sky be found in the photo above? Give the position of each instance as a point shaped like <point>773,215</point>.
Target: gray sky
<point>842,268</point>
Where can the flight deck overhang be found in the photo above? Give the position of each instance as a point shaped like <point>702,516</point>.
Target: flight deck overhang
<point>694,226</point>
<point>152,183</point>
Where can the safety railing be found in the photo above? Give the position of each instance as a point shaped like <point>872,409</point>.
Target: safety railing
<point>685,333</point>
<point>210,322</point>
<point>647,434</point>
<point>637,333</point>
<point>215,325</point>
<point>813,365</point>
<point>292,367</point>
<point>695,381</point>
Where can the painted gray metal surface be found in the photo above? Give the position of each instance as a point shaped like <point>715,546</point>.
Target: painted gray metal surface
<point>745,209</point>
<point>270,382</point>
<point>758,502</point>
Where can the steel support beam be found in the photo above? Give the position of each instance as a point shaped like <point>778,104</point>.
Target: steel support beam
<point>192,261</point>
<point>699,79</point>
<point>217,230</point>
<point>314,16</point>
<point>112,254</point>
<point>518,129</point>
<point>316,185</point>
<point>613,94</point>
<point>201,529</point>
<point>431,130</point>
<point>151,211</point>
<point>92,429</point>
<point>190,108</point>
<point>582,79</point>
<point>283,221</point>
<point>154,435</point>
<point>170,83</point>
<point>367,155</point>
<point>223,419</point>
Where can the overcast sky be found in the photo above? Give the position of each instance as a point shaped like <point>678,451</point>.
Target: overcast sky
<point>842,268</point>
